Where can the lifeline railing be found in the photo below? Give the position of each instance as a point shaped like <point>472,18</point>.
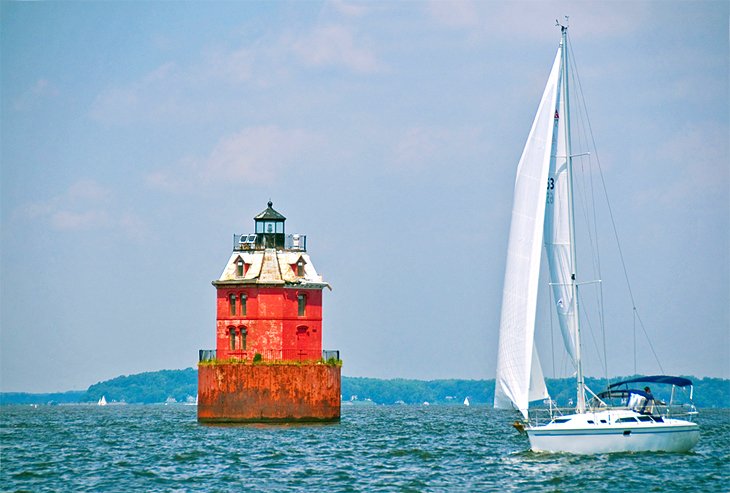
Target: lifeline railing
<point>540,415</point>
<point>206,355</point>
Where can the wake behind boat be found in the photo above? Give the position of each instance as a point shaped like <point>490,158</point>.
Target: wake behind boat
<point>621,419</point>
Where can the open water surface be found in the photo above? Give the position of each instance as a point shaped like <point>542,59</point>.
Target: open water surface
<point>406,448</point>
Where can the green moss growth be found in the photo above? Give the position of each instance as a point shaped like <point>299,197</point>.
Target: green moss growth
<point>260,361</point>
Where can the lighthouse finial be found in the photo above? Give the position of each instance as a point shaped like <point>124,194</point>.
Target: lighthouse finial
<point>270,203</point>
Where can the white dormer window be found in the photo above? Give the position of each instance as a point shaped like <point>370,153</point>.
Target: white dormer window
<point>241,267</point>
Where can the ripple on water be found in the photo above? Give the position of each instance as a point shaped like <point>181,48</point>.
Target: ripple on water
<point>405,448</point>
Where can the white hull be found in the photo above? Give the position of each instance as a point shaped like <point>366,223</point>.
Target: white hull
<point>579,436</point>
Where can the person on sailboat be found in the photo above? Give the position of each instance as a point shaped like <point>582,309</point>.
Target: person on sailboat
<point>648,406</point>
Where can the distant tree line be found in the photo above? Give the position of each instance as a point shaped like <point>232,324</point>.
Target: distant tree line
<point>71,397</point>
<point>182,385</point>
<point>402,391</point>
<point>147,388</point>
<point>708,392</point>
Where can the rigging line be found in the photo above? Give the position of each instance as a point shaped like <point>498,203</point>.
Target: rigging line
<point>584,207</point>
<point>634,334</point>
<point>590,330</point>
<point>608,202</point>
<point>589,206</point>
<point>651,346</point>
<point>603,334</point>
<point>613,221</point>
<point>591,180</point>
<point>583,114</point>
<point>550,311</point>
<point>550,315</point>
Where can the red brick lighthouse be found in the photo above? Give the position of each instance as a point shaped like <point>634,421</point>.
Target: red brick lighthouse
<point>268,364</point>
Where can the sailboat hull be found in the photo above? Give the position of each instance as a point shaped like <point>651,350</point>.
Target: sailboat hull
<point>579,436</point>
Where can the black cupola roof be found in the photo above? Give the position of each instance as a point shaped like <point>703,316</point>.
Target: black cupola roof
<point>269,214</point>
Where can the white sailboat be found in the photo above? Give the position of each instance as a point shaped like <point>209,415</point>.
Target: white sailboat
<point>102,401</point>
<point>543,214</point>
<point>466,401</point>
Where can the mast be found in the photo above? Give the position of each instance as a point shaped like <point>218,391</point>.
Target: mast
<point>581,399</point>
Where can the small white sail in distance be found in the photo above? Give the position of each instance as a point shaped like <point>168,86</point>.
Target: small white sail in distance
<point>519,375</point>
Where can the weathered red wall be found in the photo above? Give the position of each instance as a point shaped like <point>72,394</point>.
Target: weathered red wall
<point>270,302</point>
<point>236,392</point>
<point>272,321</point>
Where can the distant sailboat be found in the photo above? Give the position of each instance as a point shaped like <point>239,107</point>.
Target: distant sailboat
<point>102,401</point>
<point>466,401</point>
<point>621,418</point>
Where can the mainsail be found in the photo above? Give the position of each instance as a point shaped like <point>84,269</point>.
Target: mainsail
<point>519,375</point>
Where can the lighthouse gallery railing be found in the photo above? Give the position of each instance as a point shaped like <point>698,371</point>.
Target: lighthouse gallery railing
<point>205,355</point>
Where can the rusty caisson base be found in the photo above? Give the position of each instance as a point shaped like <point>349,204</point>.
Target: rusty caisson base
<point>268,393</point>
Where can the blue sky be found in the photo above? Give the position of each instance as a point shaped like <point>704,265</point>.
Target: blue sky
<point>138,137</point>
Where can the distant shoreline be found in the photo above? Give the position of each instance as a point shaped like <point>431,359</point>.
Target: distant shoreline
<point>180,386</point>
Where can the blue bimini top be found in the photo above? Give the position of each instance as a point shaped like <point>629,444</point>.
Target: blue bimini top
<point>678,381</point>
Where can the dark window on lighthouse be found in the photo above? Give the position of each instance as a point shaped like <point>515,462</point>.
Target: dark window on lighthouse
<point>302,302</point>
<point>232,303</point>
<point>244,299</point>
<point>239,267</point>
<point>244,334</point>
<point>232,338</point>
<point>300,267</point>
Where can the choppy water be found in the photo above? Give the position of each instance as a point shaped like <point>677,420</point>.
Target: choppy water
<point>436,448</point>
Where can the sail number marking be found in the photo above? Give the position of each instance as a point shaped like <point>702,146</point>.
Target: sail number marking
<point>550,187</point>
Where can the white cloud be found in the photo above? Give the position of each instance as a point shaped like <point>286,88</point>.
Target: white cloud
<point>536,19</point>
<point>134,227</point>
<point>88,190</point>
<point>455,13</point>
<point>336,46</point>
<point>66,220</point>
<point>40,91</point>
<point>256,154</point>
<point>207,84</point>
<point>234,66</point>
<point>424,147</point>
<point>81,206</point>
<point>349,9</point>
<point>155,96</point>
<point>694,161</point>
<point>253,155</point>
<point>85,205</point>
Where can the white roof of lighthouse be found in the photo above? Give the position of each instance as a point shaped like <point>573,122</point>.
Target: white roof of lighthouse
<point>271,267</point>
